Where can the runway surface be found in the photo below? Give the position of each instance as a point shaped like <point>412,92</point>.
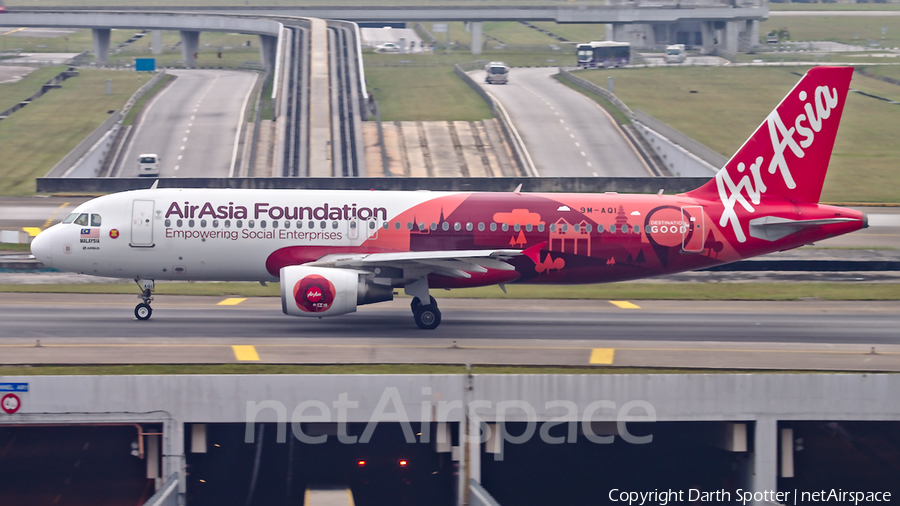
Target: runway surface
<point>96,329</point>
<point>566,133</point>
<point>192,124</point>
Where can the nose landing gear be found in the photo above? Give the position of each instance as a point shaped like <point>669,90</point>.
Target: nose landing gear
<point>143,311</point>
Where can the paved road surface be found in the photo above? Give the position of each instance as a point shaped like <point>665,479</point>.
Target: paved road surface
<point>757,335</point>
<point>192,124</point>
<point>566,133</point>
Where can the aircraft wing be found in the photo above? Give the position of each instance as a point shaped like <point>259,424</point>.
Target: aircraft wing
<point>449,263</point>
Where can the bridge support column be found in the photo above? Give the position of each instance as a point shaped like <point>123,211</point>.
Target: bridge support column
<point>477,40</point>
<point>190,45</point>
<point>101,45</point>
<point>267,47</point>
<point>753,28</point>
<point>765,457</point>
<point>708,35</point>
<point>156,45</point>
<point>732,34</point>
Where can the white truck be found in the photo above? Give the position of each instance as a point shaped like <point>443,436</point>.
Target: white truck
<point>496,72</point>
<point>675,53</point>
<point>148,165</point>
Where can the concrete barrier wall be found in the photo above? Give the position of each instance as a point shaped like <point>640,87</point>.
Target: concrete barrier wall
<point>699,150</point>
<point>678,161</point>
<point>498,184</point>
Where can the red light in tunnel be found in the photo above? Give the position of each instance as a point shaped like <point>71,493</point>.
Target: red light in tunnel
<point>361,463</point>
<point>403,463</point>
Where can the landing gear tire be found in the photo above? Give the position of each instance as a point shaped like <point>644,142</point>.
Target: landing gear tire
<point>143,311</point>
<point>427,316</point>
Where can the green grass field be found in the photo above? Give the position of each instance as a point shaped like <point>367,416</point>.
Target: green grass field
<point>424,94</point>
<point>792,6</point>
<point>13,93</point>
<point>847,29</point>
<point>730,103</point>
<point>35,138</point>
<point>614,291</point>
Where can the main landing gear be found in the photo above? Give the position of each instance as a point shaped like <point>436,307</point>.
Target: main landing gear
<point>143,311</point>
<point>427,316</point>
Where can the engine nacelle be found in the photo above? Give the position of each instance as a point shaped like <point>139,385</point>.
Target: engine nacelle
<point>324,291</point>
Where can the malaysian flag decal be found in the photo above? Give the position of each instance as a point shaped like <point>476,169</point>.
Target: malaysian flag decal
<point>90,233</point>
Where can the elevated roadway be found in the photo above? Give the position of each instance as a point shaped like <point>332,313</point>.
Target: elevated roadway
<point>98,329</point>
<point>192,125</point>
<point>566,133</point>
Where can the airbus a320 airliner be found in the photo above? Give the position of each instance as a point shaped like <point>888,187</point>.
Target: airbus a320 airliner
<point>335,250</point>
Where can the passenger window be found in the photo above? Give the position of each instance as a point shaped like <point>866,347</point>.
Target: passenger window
<point>612,228</point>
<point>238,223</point>
<point>274,224</point>
<point>168,222</point>
<point>70,218</point>
<point>190,223</point>
<point>334,224</point>
<point>493,227</point>
<point>588,228</point>
<point>481,226</point>
<point>445,226</point>
<point>433,226</point>
<point>312,225</point>
<point>386,225</point>
<point>82,220</point>
<point>528,227</point>
<point>540,227</point>
<point>457,226</point>
<point>516,227</point>
<point>637,229</point>
<point>202,223</point>
<point>421,226</point>
<point>251,223</point>
<point>179,223</point>
<point>322,225</point>
<point>262,223</point>
<point>577,227</point>
<point>625,229</point>
<point>504,227</point>
<point>396,225</point>
<point>408,225</point>
<point>565,228</point>
<point>372,226</point>
<point>553,227</point>
<point>215,223</point>
<point>95,220</point>
<point>287,224</point>
<point>599,229</point>
<point>227,223</point>
<point>469,226</point>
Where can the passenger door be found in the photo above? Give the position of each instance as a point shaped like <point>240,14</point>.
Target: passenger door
<point>142,224</point>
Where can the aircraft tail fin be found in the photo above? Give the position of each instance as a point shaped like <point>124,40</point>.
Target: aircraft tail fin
<point>788,154</point>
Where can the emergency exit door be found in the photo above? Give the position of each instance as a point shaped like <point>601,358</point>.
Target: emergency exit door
<point>693,229</point>
<point>142,224</point>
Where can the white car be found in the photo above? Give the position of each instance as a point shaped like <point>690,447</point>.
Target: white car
<point>148,165</point>
<point>387,47</point>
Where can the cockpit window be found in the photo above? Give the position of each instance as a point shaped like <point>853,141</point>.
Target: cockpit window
<point>82,220</point>
<point>70,218</point>
<point>95,220</point>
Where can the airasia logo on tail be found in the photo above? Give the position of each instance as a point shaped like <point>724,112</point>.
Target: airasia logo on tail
<point>314,294</point>
<point>795,141</point>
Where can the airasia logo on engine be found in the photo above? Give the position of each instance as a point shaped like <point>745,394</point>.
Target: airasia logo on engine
<point>314,294</point>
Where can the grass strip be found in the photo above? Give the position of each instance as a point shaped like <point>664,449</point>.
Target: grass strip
<point>34,139</point>
<point>195,369</point>
<point>138,106</point>
<point>13,93</point>
<point>14,247</point>
<point>615,291</point>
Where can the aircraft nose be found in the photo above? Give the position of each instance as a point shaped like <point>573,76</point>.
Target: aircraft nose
<point>41,248</point>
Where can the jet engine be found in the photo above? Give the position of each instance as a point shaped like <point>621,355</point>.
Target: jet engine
<point>325,291</point>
